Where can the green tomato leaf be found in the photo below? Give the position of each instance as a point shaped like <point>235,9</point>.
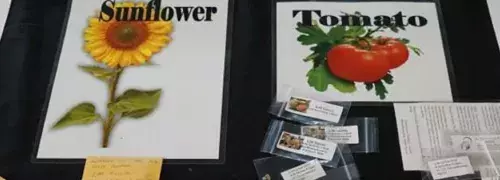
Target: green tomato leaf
<point>394,29</point>
<point>81,114</point>
<point>311,34</point>
<point>369,86</point>
<point>336,33</point>
<point>319,78</point>
<point>319,53</point>
<point>404,40</point>
<point>355,31</point>
<point>380,90</point>
<point>136,103</point>
<point>388,79</point>
<point>98,72</point>
<point>416,50</point>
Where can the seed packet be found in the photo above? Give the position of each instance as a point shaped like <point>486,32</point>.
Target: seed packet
<point>285,139</point>
<point>470,156</point>
<point>360,134</point>
<point>304,108</point>
<point>279,168</point>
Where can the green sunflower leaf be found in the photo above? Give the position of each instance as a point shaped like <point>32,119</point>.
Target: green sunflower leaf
<point>81,114</point>
<point>320,78</point>
<point>98,72</point>
<point>136,103</point>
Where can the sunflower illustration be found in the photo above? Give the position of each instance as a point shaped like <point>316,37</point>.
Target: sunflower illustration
<point>116,45</point>
<point>125,43</point>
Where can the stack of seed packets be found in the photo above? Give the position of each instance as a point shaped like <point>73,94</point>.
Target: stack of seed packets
<point>310,140</point>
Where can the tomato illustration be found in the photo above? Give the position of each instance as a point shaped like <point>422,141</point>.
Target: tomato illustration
<point>355,64</point>
<point>396,52</point>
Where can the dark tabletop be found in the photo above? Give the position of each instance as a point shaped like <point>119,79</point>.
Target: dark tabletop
<point>30,43</point>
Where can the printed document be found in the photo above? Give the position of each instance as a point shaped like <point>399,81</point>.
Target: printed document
<point>424,131</point>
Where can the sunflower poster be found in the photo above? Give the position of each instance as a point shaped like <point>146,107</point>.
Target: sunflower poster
<point>362,51</point>
<point>139,78</point>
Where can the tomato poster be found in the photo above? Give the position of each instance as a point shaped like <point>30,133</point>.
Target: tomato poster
<point>361,51</point>
<point>131,77</point>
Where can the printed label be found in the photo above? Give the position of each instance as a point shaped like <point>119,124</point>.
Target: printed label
<point>489,172</point>
<point>473,143</point>
<point>307,171</point>
<point>315,109</point>
<point>450,167</point>
<point>336,134</point>
<point>307,146</point>
<point>122,168</point>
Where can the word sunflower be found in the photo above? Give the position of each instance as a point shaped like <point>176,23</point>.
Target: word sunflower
<point>118,45</point>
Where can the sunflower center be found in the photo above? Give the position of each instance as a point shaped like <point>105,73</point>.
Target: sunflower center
<point>126,35</point>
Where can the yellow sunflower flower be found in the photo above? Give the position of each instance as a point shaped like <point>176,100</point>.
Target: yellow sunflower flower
<point>124,43</point>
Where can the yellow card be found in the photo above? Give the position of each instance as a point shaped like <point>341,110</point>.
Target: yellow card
<point>122,168</point>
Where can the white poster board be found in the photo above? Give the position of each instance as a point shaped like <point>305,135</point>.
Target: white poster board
<point>494,7</point>
<point>177,108</point>
<point>313,56</point>
<point>4,12</point>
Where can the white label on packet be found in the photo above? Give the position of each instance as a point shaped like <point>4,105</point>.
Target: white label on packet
<point>308,171</point>
<point>472,143</point>
<point>336,134</point>
<point>307,146</point>
<point>450,167</point>
<point>489,172</point>
<point>315,109</point>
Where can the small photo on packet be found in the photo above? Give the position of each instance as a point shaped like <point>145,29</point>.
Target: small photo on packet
<point>285,139</point>
<point>309,109</point>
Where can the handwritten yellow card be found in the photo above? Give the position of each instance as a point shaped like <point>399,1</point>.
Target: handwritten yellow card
<point>122,168</point>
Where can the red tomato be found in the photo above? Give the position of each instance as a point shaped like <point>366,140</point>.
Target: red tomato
<point>396,52</point>
<point>351,63</point>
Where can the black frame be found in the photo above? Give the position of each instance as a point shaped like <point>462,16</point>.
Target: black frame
<point>449,62</point>
<point>225,100</point>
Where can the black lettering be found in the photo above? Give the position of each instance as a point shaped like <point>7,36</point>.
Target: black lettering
<point>156,5</point>
<point>198,14</point>
<point>382,21</point>
<point>398,18</point>
<point>210,10</point>
<point>421,21</point>
<point>137,14</point>
<point>149,10</point>
<point>107,9</point>
<point>353,20</point>
<point>183,12</point>
<point>329,20</point>
<point>306,16</point>
<point>167,13</point>
<point>122,13</point>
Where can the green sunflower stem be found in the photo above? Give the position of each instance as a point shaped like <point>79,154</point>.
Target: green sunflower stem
<point>109,123</point>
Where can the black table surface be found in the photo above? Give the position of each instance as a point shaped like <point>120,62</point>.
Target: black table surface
<point>27,54</point>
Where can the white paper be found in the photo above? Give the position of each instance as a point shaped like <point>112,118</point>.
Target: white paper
<point>4,12</point>
<point>450,167</point>
<point>489,172</point>
<point>336,134</point>
<point>292,70</point>
<point>315,109</point>
<point>421,127</point>
<point>189,70</point>
<point>470,143</point>
<point>308,171</point>
<point>494,7</point>
<point>307,146</point>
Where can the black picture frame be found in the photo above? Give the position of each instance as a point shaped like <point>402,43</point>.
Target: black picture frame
<point>225,101</point>
<point>449,63</point>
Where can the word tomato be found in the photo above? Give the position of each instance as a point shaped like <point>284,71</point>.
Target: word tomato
<point>396,52</point>
<point>356,64</point>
